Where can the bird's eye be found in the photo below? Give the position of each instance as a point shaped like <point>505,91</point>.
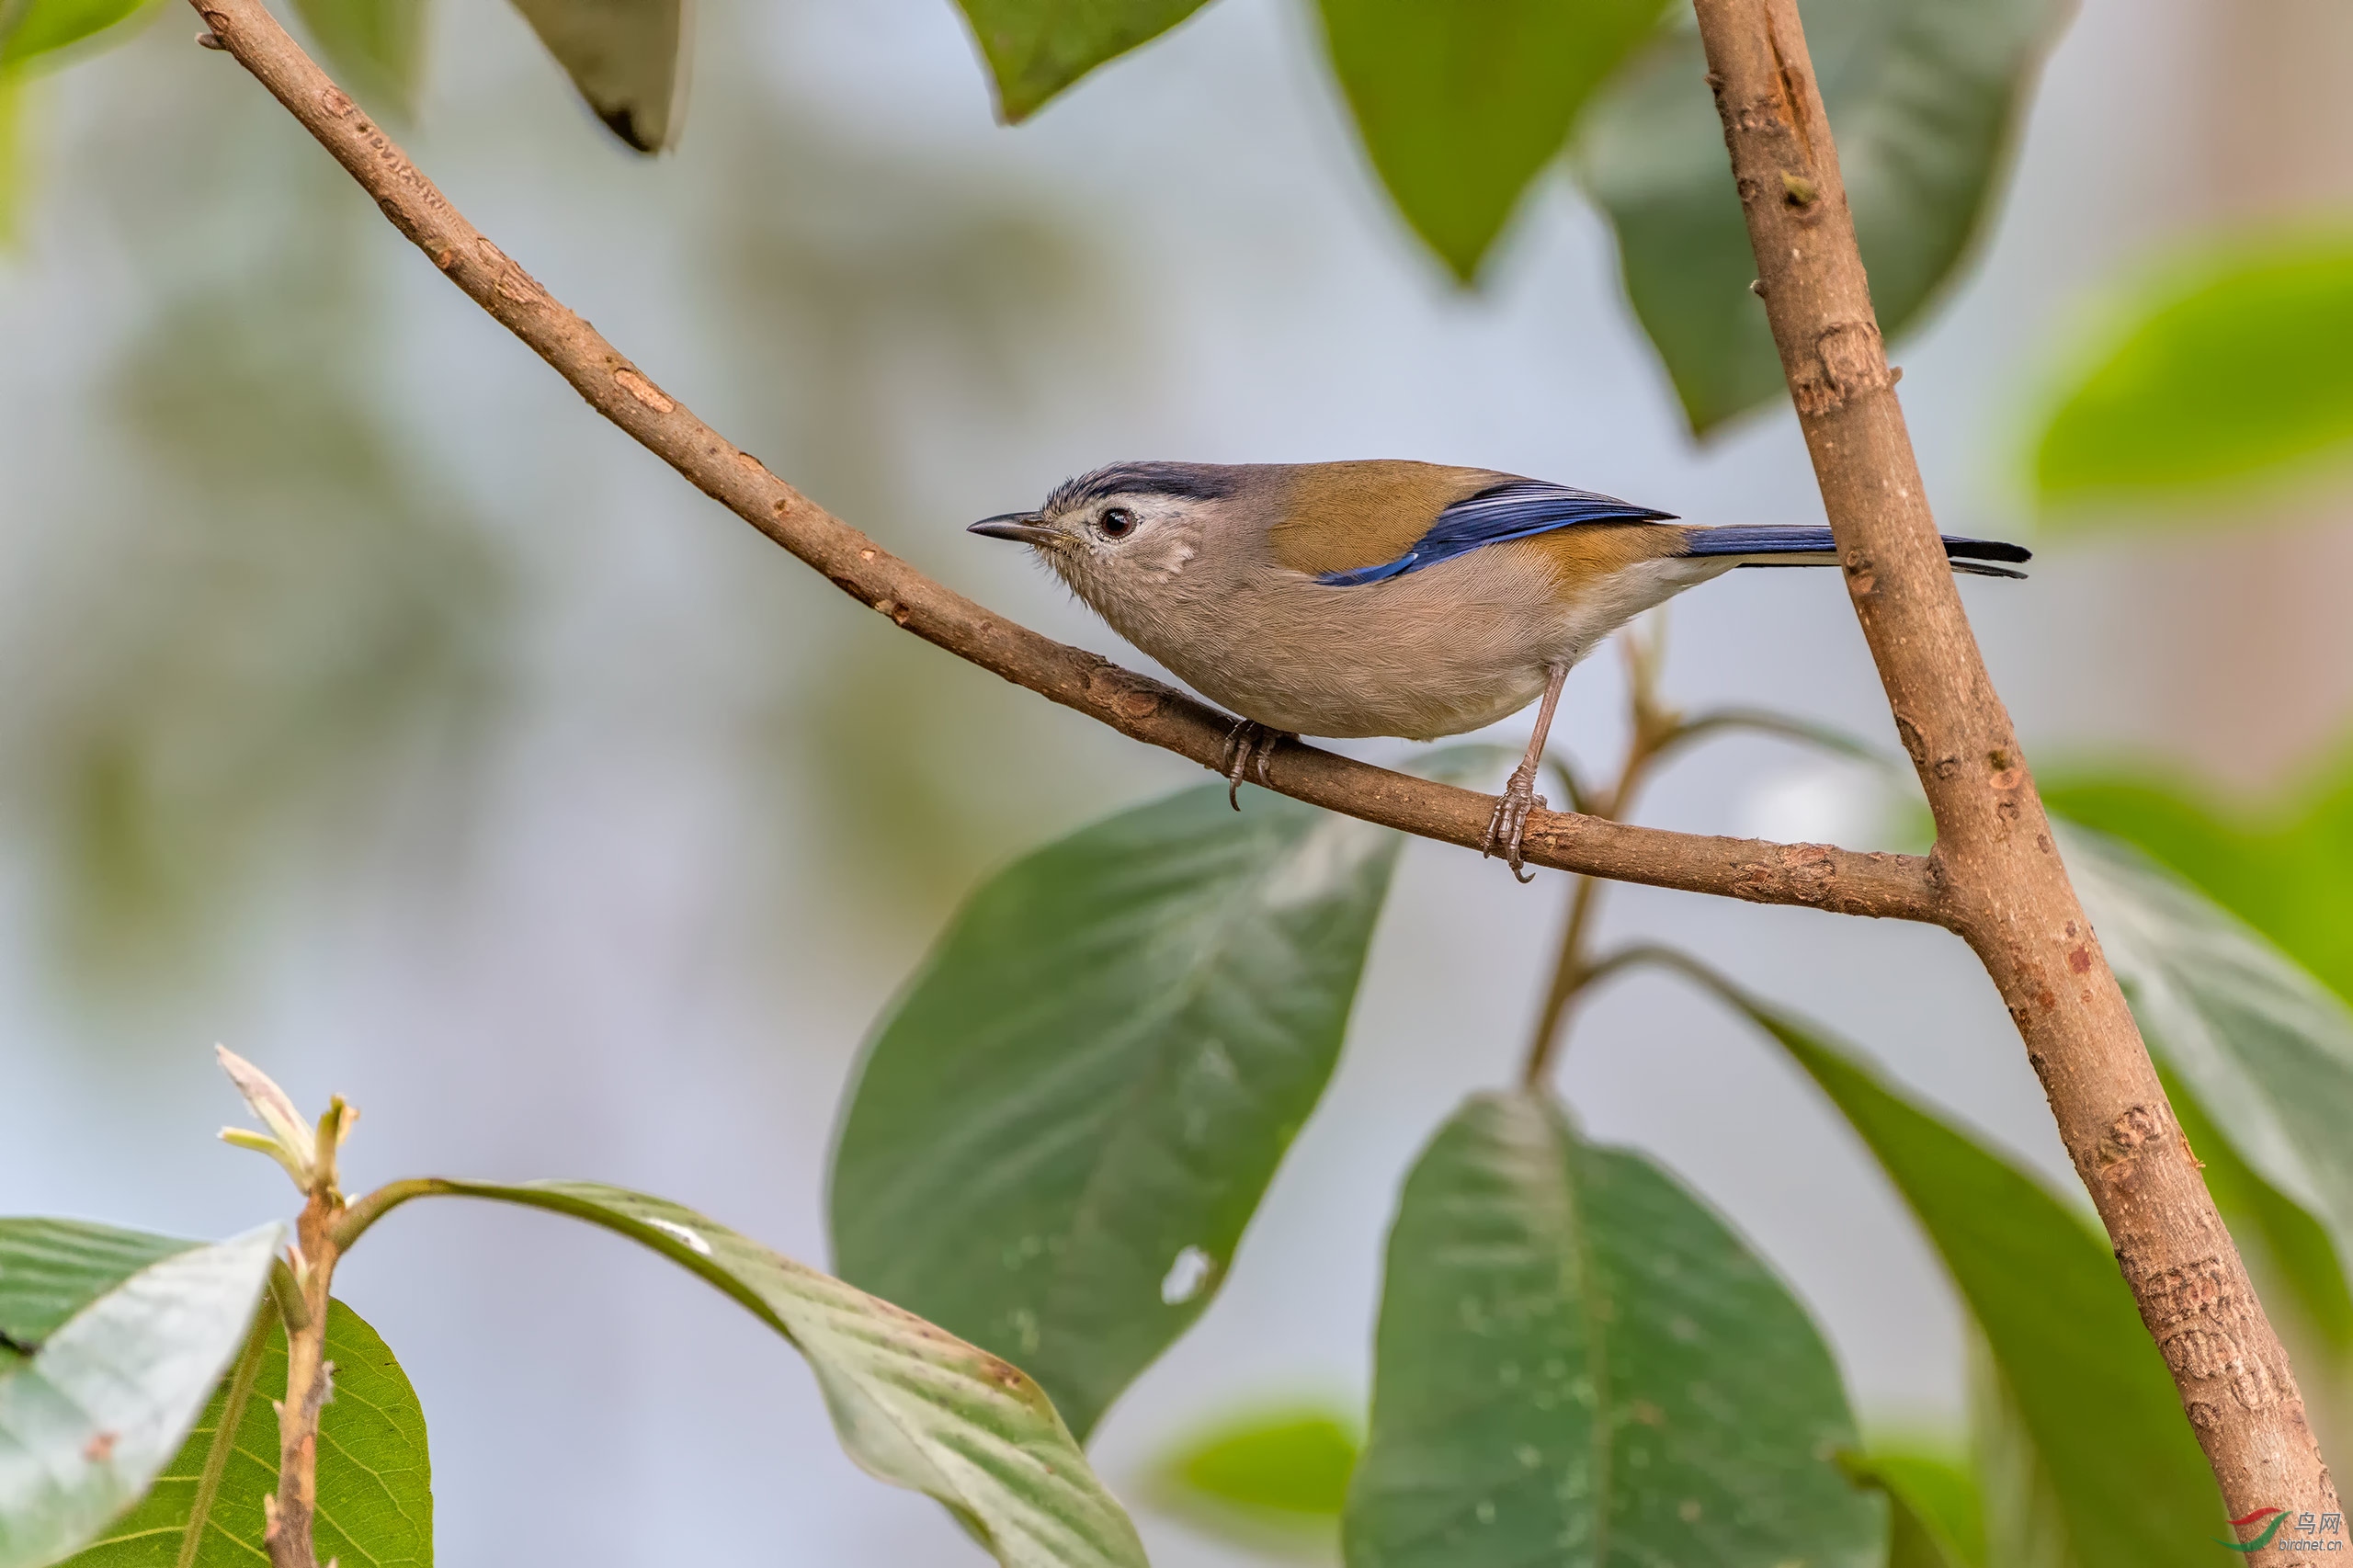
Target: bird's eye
<point>1115,523</point>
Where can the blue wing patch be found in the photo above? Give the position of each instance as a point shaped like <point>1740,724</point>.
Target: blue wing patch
<point>1518,509</point>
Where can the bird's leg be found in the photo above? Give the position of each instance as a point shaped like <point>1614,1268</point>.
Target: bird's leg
<point>1249,746</point>
<point>1520,796</point>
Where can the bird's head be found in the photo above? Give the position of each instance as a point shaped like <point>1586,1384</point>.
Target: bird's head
<point>1123,534</point>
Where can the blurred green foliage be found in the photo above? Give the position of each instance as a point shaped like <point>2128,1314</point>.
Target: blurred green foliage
<point>2228,363</point>
<point>1037,48</point>
<point>1937,1512</point>
<point>1271,1478</point>
<point>376,46</point>
<point>30,30</point>
<point>1922,96</point>
<point>2282,867</point>
<point>1461,106</point>
<point>628,58</point>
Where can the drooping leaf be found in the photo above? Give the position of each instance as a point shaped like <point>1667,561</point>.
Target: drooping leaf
<point>108,1364</point>
<point>2265,1049</point>
<point>2228,363</point>
<point>1922,96</point>
<point>1936,1517</point>
<point>1274,1480</point>
<point>2107,1441</point>
<point>1461,106</point>
<point>628,58</point>
<point>32,29</point>
<point>1062,1129</point>
<point>374,1474</point>
<point>911,1404</point>
<point>377,47</point>
<point>1036,48</point>
<point>1577,1363</point>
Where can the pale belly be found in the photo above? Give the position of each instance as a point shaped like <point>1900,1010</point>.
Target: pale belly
<point>1452,648</point>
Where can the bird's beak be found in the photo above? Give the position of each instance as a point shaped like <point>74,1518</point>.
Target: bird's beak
<point>1022,527</point>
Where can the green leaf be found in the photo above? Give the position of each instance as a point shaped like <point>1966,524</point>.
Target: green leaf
<point>14,186</point>
<point>374,1475</point>
<point>109,1364</point>
<point>31,29</point>
<point>2265,1049</point>
<point>1922,96</point>
<point>2280,870</point>
<point>1036,48</point>
<point>2228,362</point>
<point>2110,1444</point>
<point>1062,1129</point>
<point>1273,1479</point>
<point>911,1404</point>
<point>627,57</point>
<point>1461,105</point>
<point>377,47</point>
<point>1937,1516</point>
<point>2290,1250</point>
<point>1578,1363</point>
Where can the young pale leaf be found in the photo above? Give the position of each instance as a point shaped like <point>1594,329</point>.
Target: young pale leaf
<point>1937,1517</point>
<point>377,47</point>
<point>2227,364</point>
<point>627,57</point>
<point>1578,1364</point>
<point>1922,96</point>
<point>1036,48</point>
<point>375,1478</point>
<point>2267,1049</point>
<point>31,29</point>
<point>1062,1129</point>
<point>2127,1484</point>
<point>912,1404</point>
<point>1461,105</point>
<point>107,1364</point>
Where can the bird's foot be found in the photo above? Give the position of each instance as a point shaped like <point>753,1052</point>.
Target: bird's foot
<point>1249,745</point>
<point>1509,824</point>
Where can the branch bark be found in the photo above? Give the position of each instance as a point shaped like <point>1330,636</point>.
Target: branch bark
<point>1845,882</point>
<point>2004,889</point>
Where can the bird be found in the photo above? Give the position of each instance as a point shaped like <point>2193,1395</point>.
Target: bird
<point>1385,597</point>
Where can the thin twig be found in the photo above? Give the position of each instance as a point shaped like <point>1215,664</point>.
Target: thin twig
<point>2006,891</point>
<point>1895,886</point>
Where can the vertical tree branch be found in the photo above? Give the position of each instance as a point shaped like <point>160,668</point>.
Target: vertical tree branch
<point>2004,889</point>
<point>308,1385</point>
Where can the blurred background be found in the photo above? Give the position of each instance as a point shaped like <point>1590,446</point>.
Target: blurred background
<point>374,707</point>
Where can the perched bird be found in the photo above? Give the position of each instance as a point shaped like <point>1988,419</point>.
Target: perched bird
<point>1385,597</point>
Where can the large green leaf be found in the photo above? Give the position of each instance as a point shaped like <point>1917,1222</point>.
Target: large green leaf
<point>1578,1364</point>
<point>1036,48</point>
<point>374,1477</point>
<point>2228,362</point>
<point>1062,1129</point>
<point>2266,1050</point>
<point>2109,1443</point>
<point>912,1404</point>
<point>1461,105</point>
<point>628,58</point>
<point>114,1342</point>
<point>376,46</point>
<point>31,29</point>
<point>1922,96</point>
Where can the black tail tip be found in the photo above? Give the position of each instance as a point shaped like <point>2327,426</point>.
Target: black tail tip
<point>1986,549</point>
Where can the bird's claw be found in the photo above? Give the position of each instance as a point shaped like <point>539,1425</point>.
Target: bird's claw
<point>1249,746</point>
<point>1509,824</point>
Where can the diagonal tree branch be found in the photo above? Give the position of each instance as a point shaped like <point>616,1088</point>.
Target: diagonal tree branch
<point>1846,881</point>
<point>2006,892</point>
